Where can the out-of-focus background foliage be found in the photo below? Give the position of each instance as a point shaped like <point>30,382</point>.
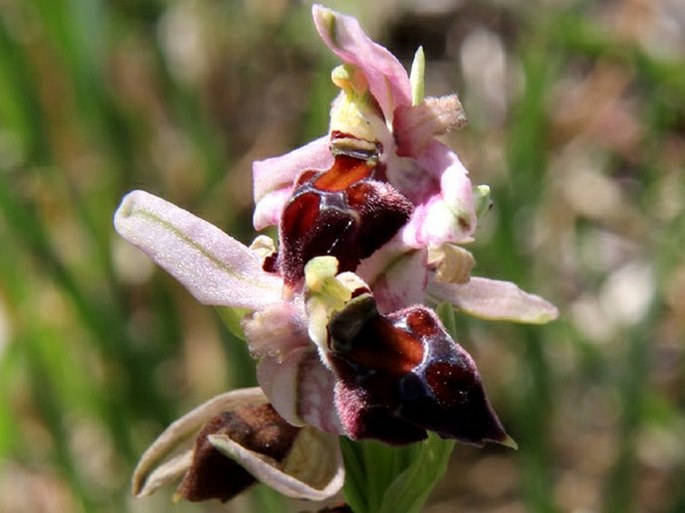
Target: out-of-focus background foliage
<point>577,121</point>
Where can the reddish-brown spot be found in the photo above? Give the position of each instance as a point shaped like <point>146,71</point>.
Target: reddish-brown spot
<point>464,224</point>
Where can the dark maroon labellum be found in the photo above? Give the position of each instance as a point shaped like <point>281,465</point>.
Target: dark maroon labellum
<point>346,212</point>
<point>402,374</point>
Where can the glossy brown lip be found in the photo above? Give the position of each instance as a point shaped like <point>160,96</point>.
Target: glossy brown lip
<point>401,375</point>
<point>346,212</point>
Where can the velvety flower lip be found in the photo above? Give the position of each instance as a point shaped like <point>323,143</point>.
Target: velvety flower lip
<point>430,383</point>
<point>345,212</point>
<point>398,374</point>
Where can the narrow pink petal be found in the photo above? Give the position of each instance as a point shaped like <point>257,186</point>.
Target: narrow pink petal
<point>387,78</point>
<point>215,268</point>
<point>279,172</point>
<point>416,125</point>
<point>448,214</point>
<point>300,388</point>
<point>495,300</point>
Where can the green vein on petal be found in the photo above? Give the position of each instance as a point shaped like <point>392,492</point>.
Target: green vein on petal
<point>213,266</point>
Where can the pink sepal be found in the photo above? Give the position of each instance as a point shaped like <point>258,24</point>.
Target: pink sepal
<point>387,78</point>
<point>495,300</point>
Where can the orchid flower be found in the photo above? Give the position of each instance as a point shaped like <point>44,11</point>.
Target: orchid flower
<point>383,129</point>
<point>307,347</point>
<point>380,105</point>
<point>371,221</point>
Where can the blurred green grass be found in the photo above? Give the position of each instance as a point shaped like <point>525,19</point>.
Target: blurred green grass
<point>577,122</point>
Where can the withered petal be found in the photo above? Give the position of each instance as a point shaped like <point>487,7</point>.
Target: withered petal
<point>414,126</point>
<point>312,470</point>
<point>160,465</point>
<point>362,418</point>
<point>169,472</point>
<point>243,439</point>
<point>258,429</point>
